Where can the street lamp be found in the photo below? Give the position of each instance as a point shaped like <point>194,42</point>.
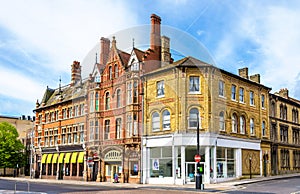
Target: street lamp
<point>250,163</point>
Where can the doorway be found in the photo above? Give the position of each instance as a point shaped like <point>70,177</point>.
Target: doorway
<point>190,171</point>
<point>114,170</point>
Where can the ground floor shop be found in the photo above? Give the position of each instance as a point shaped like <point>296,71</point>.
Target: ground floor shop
<point>169,159</point>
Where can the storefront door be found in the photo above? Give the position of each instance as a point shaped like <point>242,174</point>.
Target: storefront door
<point>190,171</point>
<point>114,170</point>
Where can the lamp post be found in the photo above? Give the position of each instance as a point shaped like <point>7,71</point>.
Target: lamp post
<point>250,163</point>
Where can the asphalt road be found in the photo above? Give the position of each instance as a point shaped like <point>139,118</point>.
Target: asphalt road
<point>279,186</point>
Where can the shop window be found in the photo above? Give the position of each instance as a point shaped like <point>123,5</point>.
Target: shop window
<point>74,169</point>
<point>134,168</point>
<point>225,162</point>
<point>43,169</point>
<point>54,169</point>
<point>81,169</point>
<point>49,169</point>
<point>161,162</point>
<point>67,169</point>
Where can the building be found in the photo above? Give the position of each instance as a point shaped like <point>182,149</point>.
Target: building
<point>60,130</point>
<point>232,112</point>
<point>284,129</point>
<point>24,126</point>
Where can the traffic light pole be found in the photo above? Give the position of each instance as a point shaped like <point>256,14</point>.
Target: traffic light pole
<point>199,184</point>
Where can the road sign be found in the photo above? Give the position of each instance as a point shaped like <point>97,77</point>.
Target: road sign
<point>197,158</point>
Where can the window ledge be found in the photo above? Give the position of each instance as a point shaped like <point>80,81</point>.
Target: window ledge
<point>162,96</point>
<point>194,93</point>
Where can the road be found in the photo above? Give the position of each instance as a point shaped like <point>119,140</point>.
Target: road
<point>279,186</point>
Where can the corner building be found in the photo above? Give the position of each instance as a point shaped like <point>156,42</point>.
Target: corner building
<point>232,112</point>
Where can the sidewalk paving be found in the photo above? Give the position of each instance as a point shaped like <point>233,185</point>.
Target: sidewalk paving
<point>230,185</point>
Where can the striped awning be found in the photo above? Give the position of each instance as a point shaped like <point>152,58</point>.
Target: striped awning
<point>54,159</point>
<point>74,157</point>
<point>80,157</point>
<point>61,158</point>
<point>49,158</point>
<point>44,158</point>
<point>67,158</point>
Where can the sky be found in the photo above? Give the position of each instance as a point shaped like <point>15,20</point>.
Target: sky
<point>39,39</point>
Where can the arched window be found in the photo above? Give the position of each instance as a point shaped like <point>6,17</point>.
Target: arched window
<point>166,120</point>
<point>107,101</point>
<point>242,125</point>
<point>155,121</point>
<point>118,98</point>
<point>116,71</point>
<point>221,121</point>
<point>194,118</point>
<point>252,126</point>
<point>234,123</point>
<point>97,101</point>
<point>273,109</point>
<point>110,73</point>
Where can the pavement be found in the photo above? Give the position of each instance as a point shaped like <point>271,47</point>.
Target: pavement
<point>215,187</point>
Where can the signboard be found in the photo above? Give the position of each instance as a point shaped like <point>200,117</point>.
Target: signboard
<point>155,164</point>
<point>197,158</point>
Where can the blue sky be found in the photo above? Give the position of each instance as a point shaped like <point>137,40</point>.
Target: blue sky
<point>39,40</point>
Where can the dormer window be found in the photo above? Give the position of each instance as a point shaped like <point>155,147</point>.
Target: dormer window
<point>97,78</point>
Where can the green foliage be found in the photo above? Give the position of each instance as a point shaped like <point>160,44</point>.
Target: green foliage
<point>11,149</point>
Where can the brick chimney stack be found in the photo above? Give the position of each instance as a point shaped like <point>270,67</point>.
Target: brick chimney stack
<point>104,50</point>
<point>155,39</point>
<point>75,73</point>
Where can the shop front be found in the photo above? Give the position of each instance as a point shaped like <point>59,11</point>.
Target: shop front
<point>169,159</point>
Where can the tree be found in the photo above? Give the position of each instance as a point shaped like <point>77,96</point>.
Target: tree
<point>11,149</point>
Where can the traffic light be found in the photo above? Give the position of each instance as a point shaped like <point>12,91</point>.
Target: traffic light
<point>200,168</point>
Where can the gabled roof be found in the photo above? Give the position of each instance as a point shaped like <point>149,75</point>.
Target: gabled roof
<point>139,54</point>
<point>124,57</point>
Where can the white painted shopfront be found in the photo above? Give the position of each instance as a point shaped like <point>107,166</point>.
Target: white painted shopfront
<point>169,159</point>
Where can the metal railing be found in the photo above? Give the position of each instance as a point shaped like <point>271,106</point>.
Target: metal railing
<point>28,185</point>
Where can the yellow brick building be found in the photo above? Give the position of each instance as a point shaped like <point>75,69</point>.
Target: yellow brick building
<point>233,119</point>
<point>284,131</point>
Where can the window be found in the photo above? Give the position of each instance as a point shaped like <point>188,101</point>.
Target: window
<point>91,130</point>
<point>116,71</point>
<point>96,130</point>
<point>81,128</point>
<point>194,118</point>
<point>221,121</point>
<point>234,123</point>
<point>221,88</point>
<point>97,78</point>
<point>296,156</point>
<point>285,158</point>
<point>281,111</point>
<point>241,94</point>
<point>97,101</point>
<point>242,125</point>
<point>107,101</point>
<point>118,98</point>
<point>194,84</point>
<point>284,134</point>
<point>110,76</point>
<point>252,126</point>
<point>263,128</point>
<point>263,101</point>
<point>118,128</point>
<point>252,98</point>
<point>295,136</point>
<point>161,158</point>
<point>134,168</point>
<point>107,124</point>
<point>166,120</point>
<point>155,121</point>
<point>135,91</point>
<point>295,115</point>
<point>160,86</point>
<point>273,109</point>
<point>233,92</point>
<point>129,126</point>
<point>129,93</point>
<point>92,101</point>
<point>285,113</point>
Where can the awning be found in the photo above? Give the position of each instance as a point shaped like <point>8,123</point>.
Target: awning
<point>54,159</point>
<point>61,158</point>
<point>74,157</point>
<point>81,157</point>
<point>67,158</point>
<point>44,158</point>
<point>49,158</point>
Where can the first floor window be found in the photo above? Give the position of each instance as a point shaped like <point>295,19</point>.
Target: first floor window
<point>107,124</point>
<point>155,121</point>
<point>194,120</point>
<point>166,120</point>
<point>221,121</point>
<point>251,126</point>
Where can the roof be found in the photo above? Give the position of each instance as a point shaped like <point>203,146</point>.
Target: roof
<point>139,54</point>
<point>63,94</point>
<point>124,57</point>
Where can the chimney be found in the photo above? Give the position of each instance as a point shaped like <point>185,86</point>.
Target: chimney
<point>244,73</point>
<point>75,73</point>
<point>284,93</point>
<point>155,41</point>
<point>104,50</point>
<point>165,50</point>
<point>255,78</point>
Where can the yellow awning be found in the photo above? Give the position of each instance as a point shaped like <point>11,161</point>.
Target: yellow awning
<point>49,158</point>
<point>61,158</point>
<point>67,158</point>
<point>81,157</point>
<point>44,158</point>
<point>74,158</point>
<point>54,159</point>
